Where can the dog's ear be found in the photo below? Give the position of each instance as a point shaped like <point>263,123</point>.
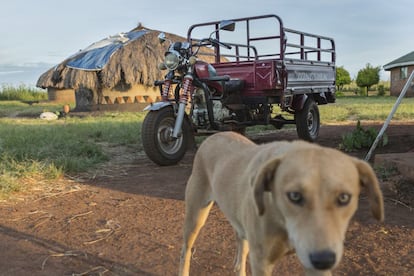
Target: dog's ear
<point>262,182</point>
<point>370,182</point>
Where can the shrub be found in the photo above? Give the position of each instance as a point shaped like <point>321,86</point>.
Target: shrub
<point>22,93</point>
<point>361,138</point>
<point>381,90</point>
<point>339,93</point>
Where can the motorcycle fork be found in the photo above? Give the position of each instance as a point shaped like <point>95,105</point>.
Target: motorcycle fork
<point>187,86</point>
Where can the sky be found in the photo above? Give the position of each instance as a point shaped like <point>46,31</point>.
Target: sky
<point>36,35</point>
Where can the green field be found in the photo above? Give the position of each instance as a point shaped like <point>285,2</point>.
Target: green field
<point>46,150</point>
<point>366,108</point>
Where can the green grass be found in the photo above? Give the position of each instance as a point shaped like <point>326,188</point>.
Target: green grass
<point>366,108</point>
<point>30,147</point>
<point>50,149</point>
<point>14,172</point>
<point>21,109</point>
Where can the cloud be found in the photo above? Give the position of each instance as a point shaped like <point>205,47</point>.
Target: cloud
<point>27,74</point>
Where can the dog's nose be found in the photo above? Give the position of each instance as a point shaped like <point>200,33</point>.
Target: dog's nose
<point>323,259</point>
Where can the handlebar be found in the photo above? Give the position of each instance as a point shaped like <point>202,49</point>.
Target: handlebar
<point>211,41</point>
<point>221,43</point>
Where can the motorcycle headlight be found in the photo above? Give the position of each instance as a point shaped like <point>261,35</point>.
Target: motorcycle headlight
<point>171,60</point>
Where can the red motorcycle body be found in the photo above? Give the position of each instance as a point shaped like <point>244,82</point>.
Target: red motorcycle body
<point>204,71</point>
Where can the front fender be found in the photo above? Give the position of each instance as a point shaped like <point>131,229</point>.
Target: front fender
<point>157,106</point>
<point>160,105</point>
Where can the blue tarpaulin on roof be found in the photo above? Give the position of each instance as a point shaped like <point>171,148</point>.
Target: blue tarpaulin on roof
<point>97,55</point>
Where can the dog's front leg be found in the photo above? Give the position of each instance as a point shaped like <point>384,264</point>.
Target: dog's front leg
<point>241,256</point>
<point>315,272</point>
<point>195,218</point>
<point>259,265</point>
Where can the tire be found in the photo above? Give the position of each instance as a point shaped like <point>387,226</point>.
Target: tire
<point>308,121</point>
<point>158,144</point>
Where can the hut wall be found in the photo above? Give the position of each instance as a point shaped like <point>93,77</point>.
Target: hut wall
<point>64,96</point>
<point>135,94</point>
<point>134,97</point>
<point>87,99</point>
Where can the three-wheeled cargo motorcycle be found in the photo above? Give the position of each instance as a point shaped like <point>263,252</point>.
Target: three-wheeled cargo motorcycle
<point>234,78</point>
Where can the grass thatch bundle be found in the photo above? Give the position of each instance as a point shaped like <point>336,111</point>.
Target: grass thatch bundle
<point>134,63</point>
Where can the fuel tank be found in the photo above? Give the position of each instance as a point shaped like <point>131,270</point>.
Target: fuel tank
<point>204,71</point>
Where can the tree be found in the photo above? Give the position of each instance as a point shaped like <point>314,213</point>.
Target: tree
<point>342,77</point>
<point>368,76</point>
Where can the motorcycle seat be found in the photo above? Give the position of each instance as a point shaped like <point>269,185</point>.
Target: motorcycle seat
<point>233,85</point>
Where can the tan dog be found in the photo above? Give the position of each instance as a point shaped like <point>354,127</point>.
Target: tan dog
<point>279,197</point>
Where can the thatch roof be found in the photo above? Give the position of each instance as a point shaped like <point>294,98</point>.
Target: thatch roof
<point>134,63</point>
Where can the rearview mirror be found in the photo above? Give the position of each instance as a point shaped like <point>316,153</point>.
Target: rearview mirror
<point>162,38</point>
<point>227,25</point>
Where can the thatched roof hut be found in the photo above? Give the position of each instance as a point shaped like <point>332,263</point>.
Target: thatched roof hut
<point>128,75</point>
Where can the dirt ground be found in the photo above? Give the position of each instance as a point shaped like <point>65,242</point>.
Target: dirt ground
<point>125,218</point>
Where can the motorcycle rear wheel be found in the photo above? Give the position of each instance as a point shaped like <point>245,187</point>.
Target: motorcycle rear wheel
<point>157,140</point>
<point>308,121</point>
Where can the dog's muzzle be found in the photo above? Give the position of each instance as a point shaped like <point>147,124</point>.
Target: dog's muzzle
<point>323,260</point>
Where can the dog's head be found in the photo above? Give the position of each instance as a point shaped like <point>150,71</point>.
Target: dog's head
<point>316,192</point>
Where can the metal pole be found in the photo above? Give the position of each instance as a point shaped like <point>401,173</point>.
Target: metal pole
<point>394,109</point>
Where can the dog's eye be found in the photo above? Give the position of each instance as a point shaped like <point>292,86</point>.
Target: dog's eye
<point>343,199</point>
<point>295,197</point>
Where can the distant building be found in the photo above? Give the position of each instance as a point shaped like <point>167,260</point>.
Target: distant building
<point>401,69</point>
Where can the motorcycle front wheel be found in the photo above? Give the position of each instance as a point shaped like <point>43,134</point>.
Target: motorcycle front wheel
<point>157,140</point>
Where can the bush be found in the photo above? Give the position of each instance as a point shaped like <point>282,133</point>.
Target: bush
<point>339,93</point>
<point>361,138</point>
<point>22,93</point>
<point>381,90</point>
